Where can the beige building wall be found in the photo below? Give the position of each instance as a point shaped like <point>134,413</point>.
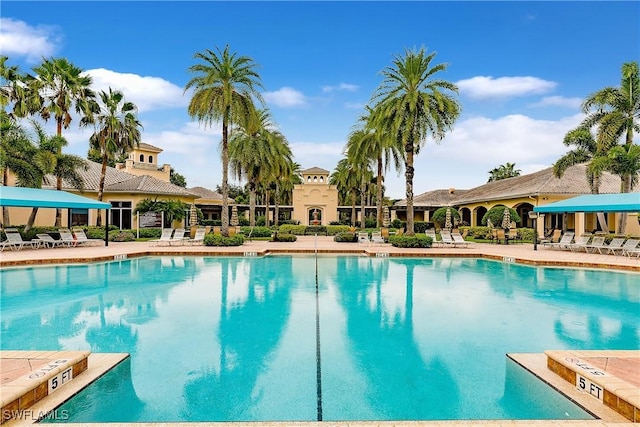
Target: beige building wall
<point>144,161</point>
<point>315,194</point>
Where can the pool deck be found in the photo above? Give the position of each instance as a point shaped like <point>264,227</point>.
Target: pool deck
<point>615,372</point>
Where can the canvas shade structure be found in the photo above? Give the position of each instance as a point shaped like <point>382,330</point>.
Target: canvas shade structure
<point>620,202</point>
<point>39,198</point>
<point>506,218</point>
<point>386,220</point>
<point>448,224</point>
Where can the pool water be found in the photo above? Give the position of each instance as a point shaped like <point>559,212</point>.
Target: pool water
<point>247,339</point>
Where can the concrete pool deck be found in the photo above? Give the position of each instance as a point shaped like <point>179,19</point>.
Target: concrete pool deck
<point>623,366</point>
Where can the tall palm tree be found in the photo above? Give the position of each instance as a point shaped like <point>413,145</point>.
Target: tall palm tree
<point>373,142</point>
<point>281,167</point>
<point>508,170</point>
<point>617,117</point>
<point>225,86</point>
<point>250,153</point>
<point>586,149</point>
<point>117,132</point>
<point>348,183</point>
<point>414,105</point>
<point>58,88</point>
<point>14,154</point>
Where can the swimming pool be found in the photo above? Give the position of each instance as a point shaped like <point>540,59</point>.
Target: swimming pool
<point>240,339</point>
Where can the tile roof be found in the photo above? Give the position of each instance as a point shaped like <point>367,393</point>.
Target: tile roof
<point>119,181</point>
<point>573,182</point>
<point>149,147</point>
<point>205,193</point>
<point>315,169</point>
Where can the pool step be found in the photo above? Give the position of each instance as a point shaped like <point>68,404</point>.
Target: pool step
<point>599,372</point>
<point>29,376</point>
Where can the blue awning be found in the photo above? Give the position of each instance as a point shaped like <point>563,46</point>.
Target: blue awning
<point>620,202</point>
<point>39,198</point>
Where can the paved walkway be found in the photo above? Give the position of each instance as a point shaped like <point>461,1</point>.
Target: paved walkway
<point>519,252</point>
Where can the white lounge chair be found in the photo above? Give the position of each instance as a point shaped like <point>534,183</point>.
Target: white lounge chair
<point>363,238</point>
<point>580,243</point>
<point>635,251</point>
<point>595,245</point>
<point>565,240</point>
<point>431,232</point>
<point>82,239</point>
<point>14,240</point>
<point>376,237</point>
<point>446,239</point>
<point>164,238</point>
<point>458,240</point>
<point>67,236</point>
<point>178,237</point>
<point>198,237</point>
<point>629,246</point>
<point>47,241</point>
<point>614,245</point>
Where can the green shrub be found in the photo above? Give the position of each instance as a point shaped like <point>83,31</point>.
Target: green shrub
<point>283,237</point>
<point>440,216</point>
<point>149,233</point>
<point>345,236</point>
<point>370,222</point>
<point>292,229</point>
<point>120,236</point>
<point>211,222</point>
<point>405,241</point>
<point>396,223</point>
<point>94,232</point>
<point>422,226</point>
<point>332,230</point>
<point>257,231</point>
<point>496,214</point>
<point>212,239</point>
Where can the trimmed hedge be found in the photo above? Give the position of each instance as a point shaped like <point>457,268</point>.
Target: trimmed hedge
<point>257,231</point>
<point>283,237</point>
<point>212,239</point>
<point>345,236</point>
<point>415,241</point>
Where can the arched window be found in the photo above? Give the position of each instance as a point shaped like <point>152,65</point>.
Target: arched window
<point>309,178</point>
<point>322,179</point>
<point>315,179</point>
<point>142,158</point>
<point>150,159</point>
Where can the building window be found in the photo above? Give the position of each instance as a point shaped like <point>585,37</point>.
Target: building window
<point>150,159</point>
<point>121,215</point>
<point>322,179</point>
<point>309,178</point>
<point>315,179</point>
<point>141,158</point>
<point>79,217</point>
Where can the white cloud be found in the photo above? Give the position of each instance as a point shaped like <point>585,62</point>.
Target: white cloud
<point>559,101</point>
<point>321,154</point>
<point>285,97</point>
<point>148,93</point>
<point>17,38</point>
<point>354,105</point>
<point>342,86</point>
<point>482,87</point>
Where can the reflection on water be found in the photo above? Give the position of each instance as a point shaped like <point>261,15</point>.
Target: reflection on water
<point>233,339</point>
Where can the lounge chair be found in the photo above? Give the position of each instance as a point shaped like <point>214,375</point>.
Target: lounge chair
<point>635,251</point>
<point>363,238</point>
<point>178,237</point>
<point>565,240</point>
<point>458,240</point>
<point>82,239</point>
<point>555,237</point>
<point>432,233</point>
<point>46,241</point>
<point>376,237</point>
<point>198,237</point>
<point>164,238</point>
<point>629,246</point>
<point>596,244</point>
<point>446,238</point>
<point>580,243</point>
<point>14,240</point>
<point>67,236</point>
<point>614,245</point>
<point>384,232</point>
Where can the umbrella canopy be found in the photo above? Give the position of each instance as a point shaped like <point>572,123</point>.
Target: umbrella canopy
<point>448,224</point>
<point>193,215</point>
<point>234,215</point>
<point>386,220</point>
<point>506,219</point>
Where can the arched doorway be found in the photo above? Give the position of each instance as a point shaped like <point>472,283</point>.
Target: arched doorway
<point>480,211</point>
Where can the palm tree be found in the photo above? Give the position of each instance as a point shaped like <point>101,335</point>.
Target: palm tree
<point>374,143</point>
<point>250,153</point>
<point>617,116</point>
<point>224,87</point>
<point>345,178</point>
<point>57,88</point>
<point>585,151</point>
<point>15,149</point>
<point>415,105</point>
<point>508,170</point>
<point>117,132</point>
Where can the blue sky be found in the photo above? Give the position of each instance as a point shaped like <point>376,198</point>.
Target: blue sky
<point>523,69</point>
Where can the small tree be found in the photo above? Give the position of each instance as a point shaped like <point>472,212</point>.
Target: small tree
<point>440,216</point>
<point>496,215</point>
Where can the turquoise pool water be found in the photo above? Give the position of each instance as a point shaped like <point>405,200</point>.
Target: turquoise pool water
<point>239,339</point>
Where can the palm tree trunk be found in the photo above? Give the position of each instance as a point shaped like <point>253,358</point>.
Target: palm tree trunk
<point>58,222</point>
<point>31,220</point>
<point>626,188</point>
<point>409,187</point>
<point>225,173</point>
<point>362,202</point>
<point>252,204</point>
<point>5,210</point>
<point>266,208</point>
<point>353,208</point>
<point>379,194</point>
<point>276,201</point>
<point>103,175</point>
